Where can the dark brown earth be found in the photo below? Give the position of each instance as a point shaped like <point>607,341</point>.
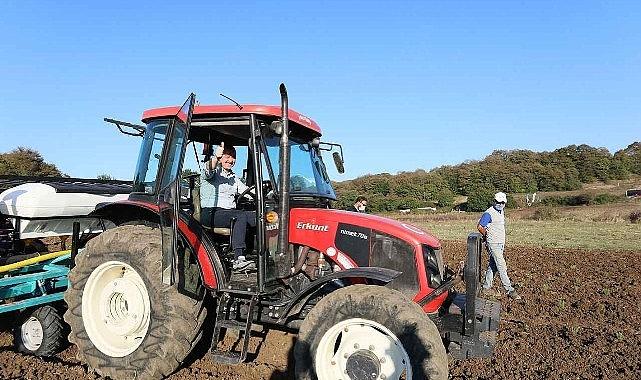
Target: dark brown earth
<point>580,319</point>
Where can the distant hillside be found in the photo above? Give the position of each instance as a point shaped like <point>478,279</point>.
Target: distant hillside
<point>511,171</point>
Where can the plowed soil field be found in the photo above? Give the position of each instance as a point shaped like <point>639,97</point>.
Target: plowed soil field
<point>580,319</point>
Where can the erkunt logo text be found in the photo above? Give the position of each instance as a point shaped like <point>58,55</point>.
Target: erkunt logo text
<point>311,227</point>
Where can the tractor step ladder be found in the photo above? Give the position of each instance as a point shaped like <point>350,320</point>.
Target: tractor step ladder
<point>226,318</point>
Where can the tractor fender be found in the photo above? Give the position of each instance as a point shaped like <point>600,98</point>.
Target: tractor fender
<point>211,269</point>
<point>381,275</point>
<point>127,211</point>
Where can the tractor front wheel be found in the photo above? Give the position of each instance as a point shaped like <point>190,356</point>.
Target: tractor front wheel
<point>368,332</point>
<point>126,323</point>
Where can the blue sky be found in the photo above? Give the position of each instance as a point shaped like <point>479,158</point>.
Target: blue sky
<point>402,85</point>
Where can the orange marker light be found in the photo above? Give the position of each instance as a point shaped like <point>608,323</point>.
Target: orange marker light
<point>271,217</point>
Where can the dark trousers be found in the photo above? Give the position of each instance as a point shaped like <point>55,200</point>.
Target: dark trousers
<point>221,217</point>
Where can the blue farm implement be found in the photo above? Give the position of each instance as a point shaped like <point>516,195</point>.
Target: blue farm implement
<point>34,214</point>
<point>34,288</point>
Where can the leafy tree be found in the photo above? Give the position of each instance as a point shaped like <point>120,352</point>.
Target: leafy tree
<point>27,162</point>
<point>445,198</point>
<point>105,177</point>
<point>480,199</point>
<point>630,157</point>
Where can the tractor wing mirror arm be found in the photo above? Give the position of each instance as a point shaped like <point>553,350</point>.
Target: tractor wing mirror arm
<point>140,129</point>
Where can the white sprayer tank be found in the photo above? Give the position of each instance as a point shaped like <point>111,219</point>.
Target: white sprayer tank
<point>39,200</point>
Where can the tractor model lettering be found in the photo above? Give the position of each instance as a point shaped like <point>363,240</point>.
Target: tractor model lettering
<point>359,235</point>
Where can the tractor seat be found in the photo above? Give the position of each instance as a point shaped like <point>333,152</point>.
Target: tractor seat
<point>221,231</point>
<point>224,231</point>
<point>222,235</point>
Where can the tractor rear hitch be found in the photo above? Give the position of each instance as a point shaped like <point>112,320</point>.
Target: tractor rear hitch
<point>473,334</point>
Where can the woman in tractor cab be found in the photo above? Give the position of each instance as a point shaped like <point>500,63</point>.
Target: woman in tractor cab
<point>218,190</point>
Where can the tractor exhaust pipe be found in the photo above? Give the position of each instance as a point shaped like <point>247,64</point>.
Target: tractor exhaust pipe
<point>284,257</point>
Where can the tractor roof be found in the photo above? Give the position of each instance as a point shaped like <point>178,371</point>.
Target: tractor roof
<point>232,110</point>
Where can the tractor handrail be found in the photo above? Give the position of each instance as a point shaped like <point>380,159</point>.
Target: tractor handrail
<point>70,184</point>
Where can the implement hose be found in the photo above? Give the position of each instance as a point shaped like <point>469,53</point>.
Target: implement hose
<point>33,260</point>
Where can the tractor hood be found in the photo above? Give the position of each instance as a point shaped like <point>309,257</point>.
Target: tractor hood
<point>326,221</point>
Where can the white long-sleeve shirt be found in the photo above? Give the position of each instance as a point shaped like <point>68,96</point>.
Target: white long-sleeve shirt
<point>219,187</point>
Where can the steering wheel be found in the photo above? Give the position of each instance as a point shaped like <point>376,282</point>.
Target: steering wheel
<point>252,195</point>
<point>247,192</point>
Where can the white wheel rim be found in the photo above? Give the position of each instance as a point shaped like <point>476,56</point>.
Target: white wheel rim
<point>32,334</point>
<point>377,351</point>
<point>116,309</point>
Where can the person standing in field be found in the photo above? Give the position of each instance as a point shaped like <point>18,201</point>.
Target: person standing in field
<point>492,227</point>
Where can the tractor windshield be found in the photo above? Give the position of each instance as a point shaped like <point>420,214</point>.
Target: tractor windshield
<point>149,157</point>
<point>308,175</point>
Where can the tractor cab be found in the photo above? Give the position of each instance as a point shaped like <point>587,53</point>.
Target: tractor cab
<point>256,133</point>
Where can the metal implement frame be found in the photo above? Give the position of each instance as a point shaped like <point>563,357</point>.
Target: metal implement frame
<point>38,280</point>
<point>35,284</point>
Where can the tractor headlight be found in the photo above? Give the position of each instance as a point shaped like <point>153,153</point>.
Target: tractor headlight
<point>434,266</point>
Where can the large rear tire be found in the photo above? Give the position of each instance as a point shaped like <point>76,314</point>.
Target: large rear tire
<point>125,322</point>
<point>368,332</point>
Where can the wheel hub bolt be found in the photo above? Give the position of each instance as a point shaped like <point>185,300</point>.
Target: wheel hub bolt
<point>383,377</point>
<point>371,348</point>
<point>333,362</point>
<point>382,360</point>
<point>356,346</point>
<point>346,355</point>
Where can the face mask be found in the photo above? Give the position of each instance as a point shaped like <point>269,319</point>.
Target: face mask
<point>361,208</point>
<point>499,206</point>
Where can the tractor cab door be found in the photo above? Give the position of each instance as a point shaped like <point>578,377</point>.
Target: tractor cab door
<point>170,189</point>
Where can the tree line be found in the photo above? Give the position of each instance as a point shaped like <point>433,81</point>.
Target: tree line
<point>27,162</point>
<point>510,171</point>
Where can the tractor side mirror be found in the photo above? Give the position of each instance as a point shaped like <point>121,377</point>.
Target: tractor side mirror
<point>338,161</point>
<point>276,127</point>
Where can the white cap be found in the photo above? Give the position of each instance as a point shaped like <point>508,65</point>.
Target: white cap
<point>500,197</point>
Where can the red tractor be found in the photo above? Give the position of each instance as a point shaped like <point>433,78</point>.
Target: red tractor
<point>370,297</point>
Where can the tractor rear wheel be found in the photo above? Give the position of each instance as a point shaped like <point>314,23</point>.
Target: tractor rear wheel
<point>125,322</point>
<point>368,332</point>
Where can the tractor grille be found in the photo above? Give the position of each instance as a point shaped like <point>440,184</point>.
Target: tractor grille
<point>394,253</point>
